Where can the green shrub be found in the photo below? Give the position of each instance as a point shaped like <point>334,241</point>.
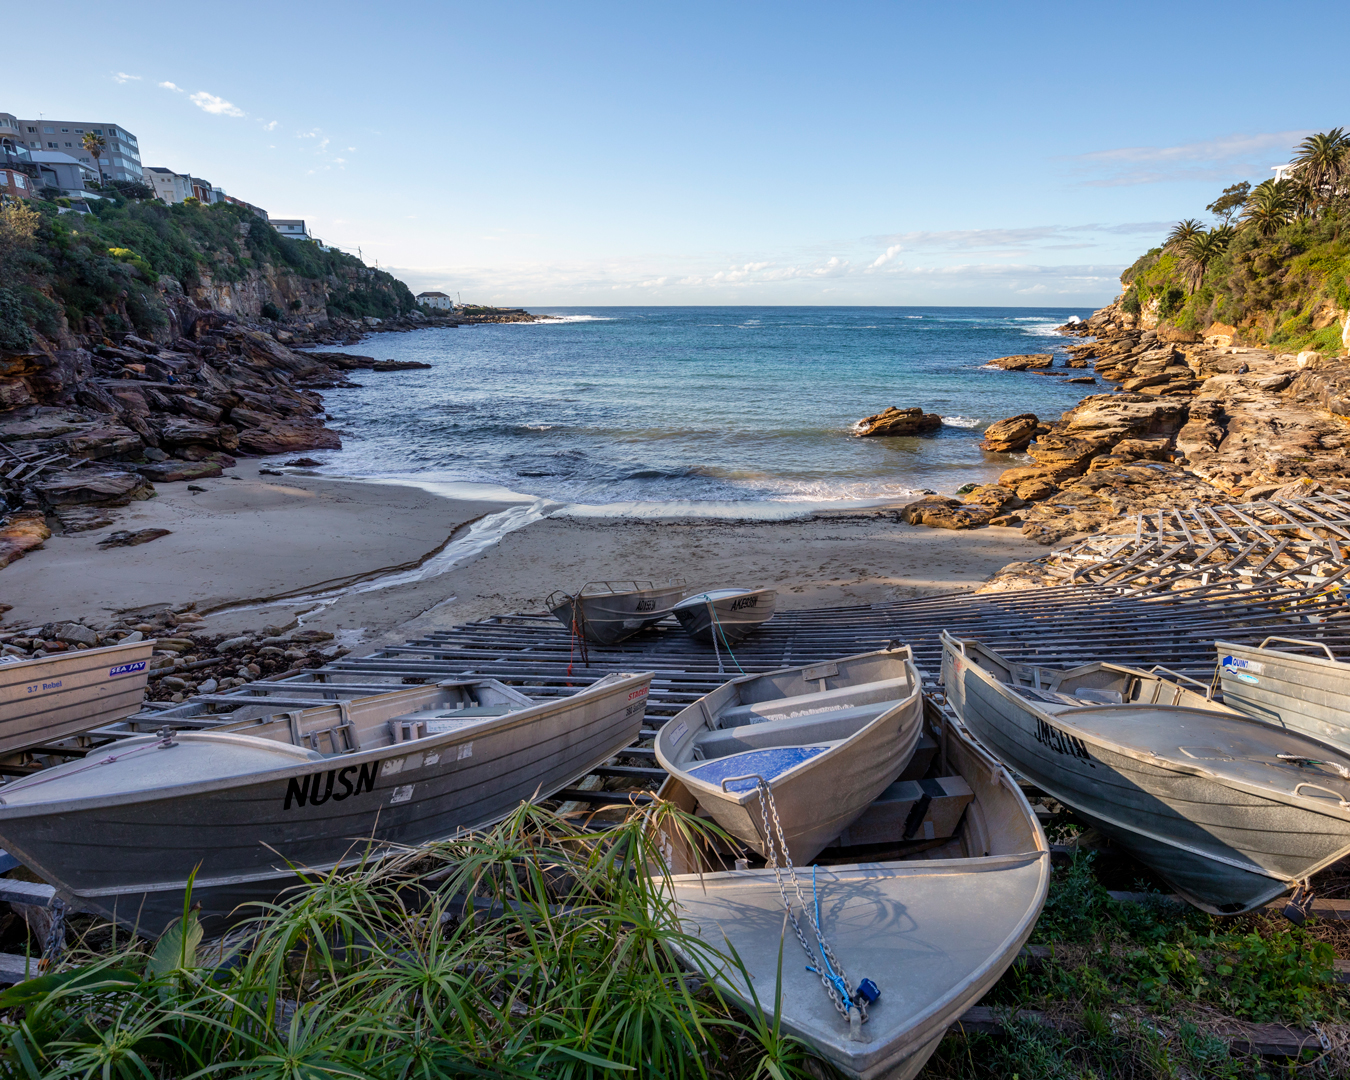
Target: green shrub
<point>271,311</point>
<point>14,330</point>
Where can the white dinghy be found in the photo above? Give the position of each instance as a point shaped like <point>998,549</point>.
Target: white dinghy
<point>242,807</point>
<point>57,696</point>
<point>932,933</point>
<point>826,739</point>
<point>606,612</point>
<point>1231,811</point>
<point>729,614</point>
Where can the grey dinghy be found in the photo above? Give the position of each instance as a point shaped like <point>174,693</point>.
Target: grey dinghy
<point>934,933</point>
<point>827,739</point>
<point>1233,812</point>
<point>1306,693</point>
<point>736,613</point>
<point>71,692</point>
<point>121,831</point>
<point>606,612</point>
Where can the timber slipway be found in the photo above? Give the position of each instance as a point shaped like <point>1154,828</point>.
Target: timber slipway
<point>1160,594</point>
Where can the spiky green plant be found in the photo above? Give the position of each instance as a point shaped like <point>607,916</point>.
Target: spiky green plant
<point>1271,205</point>
<point>533,949</point>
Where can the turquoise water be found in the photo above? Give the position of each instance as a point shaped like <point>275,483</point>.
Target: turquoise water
<point>704,405</point>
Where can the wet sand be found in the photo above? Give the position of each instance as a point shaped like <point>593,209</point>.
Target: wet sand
<point>370,559</point>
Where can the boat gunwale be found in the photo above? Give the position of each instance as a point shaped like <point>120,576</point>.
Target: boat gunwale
<point>491,725</point>
<point>1282,653</point>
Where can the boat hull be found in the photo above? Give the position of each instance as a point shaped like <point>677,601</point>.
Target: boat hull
<point>71,692</point>
<point>608,618</point>
<point>1310,694</point>
<point>935,934</point>
<point>1227,848</point>
<point>130,857</point>
<point>739,613</point>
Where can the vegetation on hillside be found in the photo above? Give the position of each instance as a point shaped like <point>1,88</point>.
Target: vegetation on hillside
<point>105,265</point>
<point>1280,272</point>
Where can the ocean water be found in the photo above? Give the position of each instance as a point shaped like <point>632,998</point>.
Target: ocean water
<point>705,409</point>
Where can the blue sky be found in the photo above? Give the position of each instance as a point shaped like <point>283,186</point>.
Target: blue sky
<point>733,153</point>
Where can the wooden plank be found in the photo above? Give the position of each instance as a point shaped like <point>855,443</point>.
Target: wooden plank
<point>17,969</point>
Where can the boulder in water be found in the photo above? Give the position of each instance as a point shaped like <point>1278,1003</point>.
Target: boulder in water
<point>1014,433</point>
<point>893,421</point>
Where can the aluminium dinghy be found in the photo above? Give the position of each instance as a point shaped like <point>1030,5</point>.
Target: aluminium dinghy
<point>826,739</point>
<point>57,696</point>
<point>606,612</point>
<point>732,614</point>
<point>122,831</point>
<point>1233,812</point>
<point>1304,693</point>
<point>932,932</point>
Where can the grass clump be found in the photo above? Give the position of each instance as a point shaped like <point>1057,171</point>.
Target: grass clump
<point>530,950</point>
<point>1142,989</point>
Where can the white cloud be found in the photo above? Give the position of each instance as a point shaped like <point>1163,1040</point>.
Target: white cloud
<point>123,77</point>
<point>271,125</point>
<point>1209,160</point>
<point>214,105</point>
<point>889,254</point>
<point>172,86</point>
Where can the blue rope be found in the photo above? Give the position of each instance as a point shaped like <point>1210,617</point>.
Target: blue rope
<point>718,631</point>
<point>841,987</point>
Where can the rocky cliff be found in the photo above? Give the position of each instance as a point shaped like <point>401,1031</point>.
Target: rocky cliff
<point>1187,422</point>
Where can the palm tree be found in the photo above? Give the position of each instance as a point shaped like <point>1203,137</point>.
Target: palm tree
<point>1323,160</point>
<point>95,145</point>
<point>1182,232</point>
<point>1200,250</point>
<point>1270,206</point>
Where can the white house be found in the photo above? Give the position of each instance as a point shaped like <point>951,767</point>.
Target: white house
<point>435,300</point>
<point>292,227</point>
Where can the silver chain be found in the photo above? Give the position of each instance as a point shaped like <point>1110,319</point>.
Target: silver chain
<point>767,807</point>
<point>56,936</point>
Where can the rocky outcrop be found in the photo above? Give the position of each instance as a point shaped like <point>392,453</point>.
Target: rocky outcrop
<point>21,533</point>
<point>1012,434</point>
<point>1026,362</point>
<point>893,421</point>
<point>1193,421</point>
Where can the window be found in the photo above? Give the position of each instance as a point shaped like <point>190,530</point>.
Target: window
<point>79,131</point>
<point>52,145</point>
<point>49,131</point>
<point>67,144</point>
<point>33,129</point>
<point>97,131</point>
<point>112,131</point>
<point>65,131</point>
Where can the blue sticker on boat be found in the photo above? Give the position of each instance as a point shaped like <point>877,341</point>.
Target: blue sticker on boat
<point>1248,678</point>
<point>1232,665</point>
<point>126,669</point>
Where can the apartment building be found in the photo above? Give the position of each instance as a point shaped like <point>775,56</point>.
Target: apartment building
<point>121,159</point>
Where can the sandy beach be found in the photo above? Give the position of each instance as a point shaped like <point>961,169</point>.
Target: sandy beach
<point>253,549</point>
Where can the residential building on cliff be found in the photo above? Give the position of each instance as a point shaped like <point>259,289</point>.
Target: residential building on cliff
<point>435,300</point>
<point>63,172</point>
<point>291,227</point>
<point>17,184</point>
<point>168,186</point>
<point>121,158</point>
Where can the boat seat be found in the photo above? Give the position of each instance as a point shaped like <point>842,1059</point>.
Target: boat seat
<point>770,764</point>
<point>832,725</point>
<point>842,697</point>
<point>419,725</point>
